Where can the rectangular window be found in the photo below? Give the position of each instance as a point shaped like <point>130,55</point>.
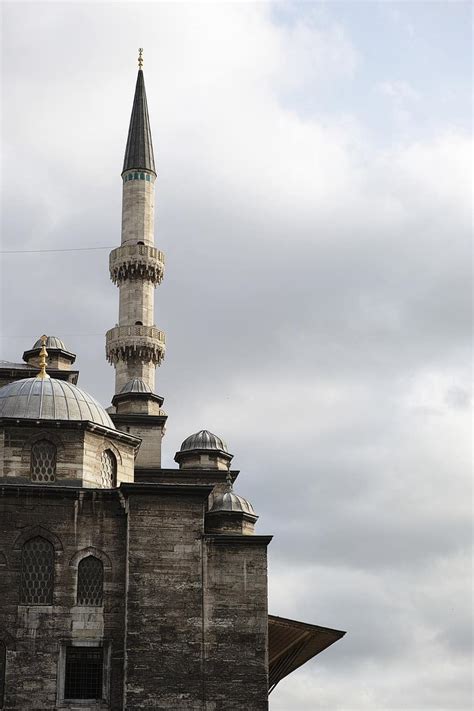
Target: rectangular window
<point>84,673</point>
<point>147,177</point>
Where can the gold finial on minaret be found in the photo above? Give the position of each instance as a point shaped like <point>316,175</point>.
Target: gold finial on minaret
<point>43,354</point>
<point>140,58</point>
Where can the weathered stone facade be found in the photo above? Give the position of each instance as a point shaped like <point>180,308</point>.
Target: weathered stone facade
<point>184,615</point>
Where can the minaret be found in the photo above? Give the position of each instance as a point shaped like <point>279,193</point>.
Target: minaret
<point>135,346</point>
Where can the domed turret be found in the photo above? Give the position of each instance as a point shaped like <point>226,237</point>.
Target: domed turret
<point>203,450</point>
<point>137,397</point>
<point>59,355</point>
<point>230,513</point>
<point>50,399</point>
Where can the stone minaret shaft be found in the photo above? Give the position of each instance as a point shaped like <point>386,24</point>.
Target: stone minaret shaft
<point>135,346</point>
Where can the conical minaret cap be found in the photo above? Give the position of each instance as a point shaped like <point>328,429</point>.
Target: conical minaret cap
<point>139,150</point>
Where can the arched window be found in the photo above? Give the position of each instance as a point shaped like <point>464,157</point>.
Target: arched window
<point>90,581</point>
<point>43,461</point>
<point>37,572</point>
<point>3,668</point>
<point>108,469</point>
<point>138,323</point>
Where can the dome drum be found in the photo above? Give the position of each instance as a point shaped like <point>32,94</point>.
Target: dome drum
<point>56,433</point>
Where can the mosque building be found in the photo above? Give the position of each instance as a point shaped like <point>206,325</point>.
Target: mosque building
<point>125,585</point>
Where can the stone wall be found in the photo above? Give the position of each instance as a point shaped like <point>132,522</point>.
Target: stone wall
<point>184,618</point>
<point>149,454</point>
<point>236,622</point>
<point>16,459</point>
<point>34,635</point>
<point>94,445</point>
<point>164,630</point>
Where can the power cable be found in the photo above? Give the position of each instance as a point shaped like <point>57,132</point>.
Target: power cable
<point>39,251</point>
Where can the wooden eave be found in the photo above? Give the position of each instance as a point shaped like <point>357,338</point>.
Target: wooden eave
<point>291,644</point>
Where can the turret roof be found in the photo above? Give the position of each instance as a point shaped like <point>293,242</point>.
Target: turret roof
<point>139,150</point>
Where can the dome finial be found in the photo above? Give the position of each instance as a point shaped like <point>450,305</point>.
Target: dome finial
<point>43,354</point>
<point>140,58</point>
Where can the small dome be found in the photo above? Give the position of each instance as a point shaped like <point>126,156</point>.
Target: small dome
<point>50,399</point>
<point>203,440</point>
<point>228,501</point>
<point>136,385</point>
<point>51,342</point>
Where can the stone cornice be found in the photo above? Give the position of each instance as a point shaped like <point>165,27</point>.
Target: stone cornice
<point>55,490</point>
<point>237,539</point>
<point>149,489</point>
<point>213,476</point>
<point>137,419</point>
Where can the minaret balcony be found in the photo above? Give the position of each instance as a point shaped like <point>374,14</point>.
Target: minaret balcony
<point>136,261</point>
<point>145,344</point>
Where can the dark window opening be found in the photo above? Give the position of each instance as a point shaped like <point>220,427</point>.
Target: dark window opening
<point>138,323</point>
<point>3,664</point>
<point>140,242</point>
<point>90,581</point>
<point>84,670</point>
<point>37,572</point>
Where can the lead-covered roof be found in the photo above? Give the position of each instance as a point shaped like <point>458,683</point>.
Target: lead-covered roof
<point>139,150</point>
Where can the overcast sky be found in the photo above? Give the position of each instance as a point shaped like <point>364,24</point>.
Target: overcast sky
<point>313,203</point>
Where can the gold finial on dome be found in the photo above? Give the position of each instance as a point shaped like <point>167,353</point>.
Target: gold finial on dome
<point>140,58</point>
<point>43,355</point>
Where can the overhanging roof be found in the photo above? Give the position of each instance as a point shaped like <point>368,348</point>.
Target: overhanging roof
<point>292,643</point>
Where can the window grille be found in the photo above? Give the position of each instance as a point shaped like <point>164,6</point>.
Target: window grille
<point>90,581</point>
<point>84,672</point>
<point>108,469</point>
<point>3,664</point>
<point>43,461</point>
<point>37,572</point>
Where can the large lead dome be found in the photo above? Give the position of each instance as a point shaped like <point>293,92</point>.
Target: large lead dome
<point>50,399</point>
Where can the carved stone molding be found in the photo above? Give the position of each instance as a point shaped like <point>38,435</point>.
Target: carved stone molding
<point>136,261</point>
<point>145,344</point>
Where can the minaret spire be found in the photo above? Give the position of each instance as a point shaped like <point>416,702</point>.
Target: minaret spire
<point>139,150</point>
<point>136,346</point>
